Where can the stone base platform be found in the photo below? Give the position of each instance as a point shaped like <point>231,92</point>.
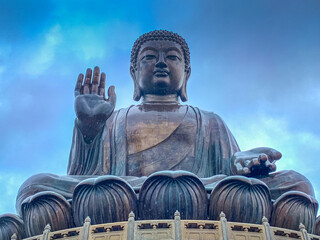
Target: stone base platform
<point>175,229</point>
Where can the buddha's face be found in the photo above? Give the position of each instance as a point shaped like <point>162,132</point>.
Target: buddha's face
<point>160,68</point>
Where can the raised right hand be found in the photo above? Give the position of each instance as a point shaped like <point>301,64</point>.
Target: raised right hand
<point>91,106</point>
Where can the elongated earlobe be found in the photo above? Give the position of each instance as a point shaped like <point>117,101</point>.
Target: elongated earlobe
<point>183,90</point>
<point>137,91</point>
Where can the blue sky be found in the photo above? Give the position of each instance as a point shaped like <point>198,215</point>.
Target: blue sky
<point>255,63</point>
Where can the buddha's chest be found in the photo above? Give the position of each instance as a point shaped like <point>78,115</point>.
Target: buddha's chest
<point>147,127</point>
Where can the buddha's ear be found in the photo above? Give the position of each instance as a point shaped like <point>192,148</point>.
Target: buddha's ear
<point>137,91</point>
<point>183,90</point>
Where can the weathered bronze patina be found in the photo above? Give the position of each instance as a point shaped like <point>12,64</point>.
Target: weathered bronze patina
<point>160,156</point>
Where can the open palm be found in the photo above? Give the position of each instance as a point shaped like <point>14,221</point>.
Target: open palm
<point>91,106</point>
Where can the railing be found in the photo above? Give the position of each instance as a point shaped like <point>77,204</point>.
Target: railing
<point>175,229</point>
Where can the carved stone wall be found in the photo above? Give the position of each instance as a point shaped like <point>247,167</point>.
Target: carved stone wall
<point>176,229</point>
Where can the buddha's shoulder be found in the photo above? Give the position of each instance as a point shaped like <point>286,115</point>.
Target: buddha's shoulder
<point>205,113</point>
<point>139,110</point>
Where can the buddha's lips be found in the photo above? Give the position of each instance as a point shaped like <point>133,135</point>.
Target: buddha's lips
<point>161,73</point>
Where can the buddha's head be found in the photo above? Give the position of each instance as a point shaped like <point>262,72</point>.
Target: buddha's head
<point>160,65</point>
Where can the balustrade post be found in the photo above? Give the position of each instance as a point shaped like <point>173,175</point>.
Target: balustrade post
<point>14,237</point>
<point>46,232</point>
<point>86,228</point>
<point>305,235</point>
<point>267,229</point>
<point>130,230</point>
<point>224,227</point>
<point>177,226</point>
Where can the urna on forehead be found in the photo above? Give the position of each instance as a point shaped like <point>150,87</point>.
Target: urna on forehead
<point>158,35</point>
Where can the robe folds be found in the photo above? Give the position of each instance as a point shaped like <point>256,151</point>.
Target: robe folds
<point>206,152</point>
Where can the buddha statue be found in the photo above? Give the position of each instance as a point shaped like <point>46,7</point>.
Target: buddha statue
<point>159,156</point>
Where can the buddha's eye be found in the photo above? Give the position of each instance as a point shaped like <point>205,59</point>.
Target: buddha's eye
<point>149,57</point>
<point>173,57</point>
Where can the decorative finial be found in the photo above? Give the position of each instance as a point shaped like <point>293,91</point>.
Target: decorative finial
<point>14,237</point>
<point>222,215</point>
<point>131,215</point>
<point>264,219</point>
<point>47,228</point>
<point>177,213</point>
<point>87,220</point>
<point>301,227</point>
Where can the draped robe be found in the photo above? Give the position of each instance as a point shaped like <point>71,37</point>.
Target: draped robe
<point>138,141</point>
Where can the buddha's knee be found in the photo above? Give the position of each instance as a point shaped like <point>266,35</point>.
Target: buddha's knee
<point>45,208</point>
<point>104,199</point>
<point>285,181</point>
<point>242,199</point>
<point>43,179</point>
<point>293,208</point>
<point>167,191</point>
<point>11,224</point>
<point>298,181</point>
<point>34,184</point>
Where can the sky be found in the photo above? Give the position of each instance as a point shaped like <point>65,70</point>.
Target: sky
<point>254,63</point>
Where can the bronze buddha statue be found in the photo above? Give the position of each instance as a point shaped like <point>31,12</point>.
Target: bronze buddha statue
<point>159,156</point>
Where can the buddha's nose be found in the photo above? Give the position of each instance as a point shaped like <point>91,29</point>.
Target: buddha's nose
<point>161,61</point>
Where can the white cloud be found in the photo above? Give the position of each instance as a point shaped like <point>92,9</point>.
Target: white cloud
<point>297,147</point>
<point>44,57</point>
<point>309,139</point>
<point>101,40</point>
<point>86,42</point>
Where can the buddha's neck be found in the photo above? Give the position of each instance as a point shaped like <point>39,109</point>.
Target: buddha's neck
<point>160,99</point>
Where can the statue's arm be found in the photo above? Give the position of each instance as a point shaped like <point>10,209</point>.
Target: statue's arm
<point>92,110</point>
<point>253,163</point>
<point>91,106</point>
<point>223,143</point>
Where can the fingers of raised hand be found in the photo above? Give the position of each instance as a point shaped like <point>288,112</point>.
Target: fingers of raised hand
<point>92,83</point>
<point>95,80</point>
<point>77,90</point>
<point>87,81</point>
<point>112,97</point>
<point>102,86</point>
